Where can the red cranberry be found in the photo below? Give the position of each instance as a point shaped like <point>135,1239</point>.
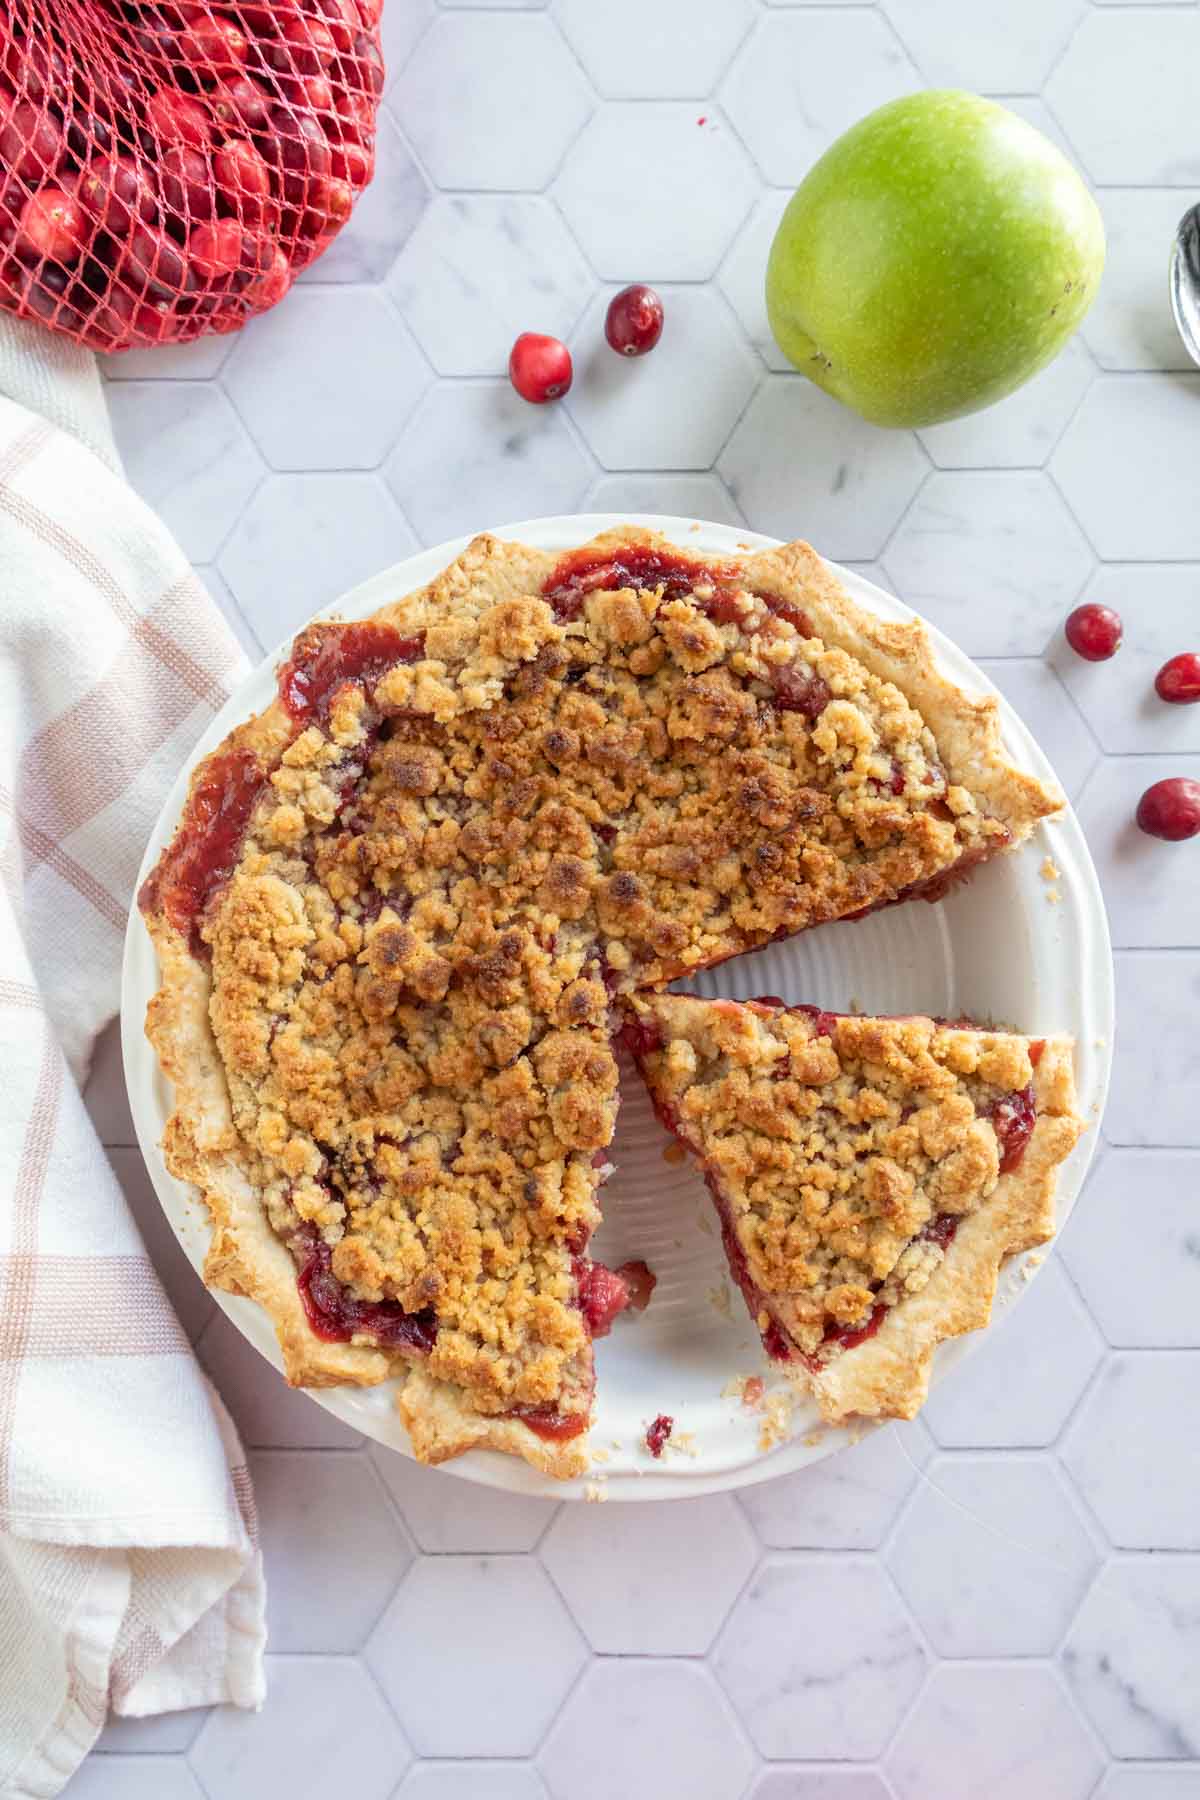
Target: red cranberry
<point>156,265</point>
<point>243,177</point>
<point>117,191</point>
<point>212,45</point>
<point>355,117</point>
<point>353,163</point>
<point>539,367</point>
<point>216,250</point>
<point>369,11</point>
<point>634,321</point>
<point>1178,681</point>
<point>51,224</point>
<point>31,141</point>
<point>313,91</point>
<point>265,290</point>
<point>1171,809</point>
<point>1094,632</point>
<point>240,101</point>
<point>187,181</point>
<point>368,63</point>
<point>343,20</point>
<point>330,203</point>
<point>176,118</point>
<point>34,66</point>
<point>306,47</point>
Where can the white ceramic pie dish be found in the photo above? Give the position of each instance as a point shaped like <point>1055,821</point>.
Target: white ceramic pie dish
<point>998,950</point>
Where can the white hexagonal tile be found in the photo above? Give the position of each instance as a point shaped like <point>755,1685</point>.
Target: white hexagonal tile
<point>804,77</point>
<point>836,1692</point>
<point>480,269</point>
<point>1149,1783</point>
<point>384,215</point>
<point>1156,1074</point>
<point>1160,604</point>
<point>401,29</point>
<point>742,276</point>
<point>104,1092</point>
<point>267,1412</point>
<point>847,1501</point>
<point>446,1514</point>
<point>1133,1657</point>
<point>1035,691</point>
<point>645,1728</point>
<point>1021,431</point>
<point>1140,502</point>
<point>827,1783</point>
<point>618,1570</point>
<point>674,408</point>
<point>679,496</point>
<point>1033,109</point>
<point>326,1585</point>
<point>1133,1248</point>
<point>305,540</point>
<point>1024,1374</point>
<point>198,360</point>
<point>992,1556</point>
<point>186,453</point>
<point>472,1781</point>
<point>134,1778</point>
<point>193,1304</point>
<point>310,407</point>
<point>1130,324</point>
<point>219,589</point>
<point>1000,50</point>
<point>464,1692</point>
<point>667,51</point>
<point>800,464</point>
<point>491,102</point>
<point>159,1734</point>
<point>1125,98</point>
<point>475,455</point>
<point>1138,1404</point>
<point>1147,901</point>
<point>993,1733</point>
<point>324,1729</point>
<point>994,559</point>
<point>629,185</point>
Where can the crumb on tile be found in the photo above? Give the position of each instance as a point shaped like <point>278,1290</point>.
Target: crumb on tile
<point>674,1153</point>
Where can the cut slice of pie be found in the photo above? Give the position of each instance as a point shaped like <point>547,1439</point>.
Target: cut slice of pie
<point>401,900</point>
<point>870,1174</point>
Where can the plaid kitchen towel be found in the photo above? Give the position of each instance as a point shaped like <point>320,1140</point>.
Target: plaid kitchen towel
<point>129,1573</point>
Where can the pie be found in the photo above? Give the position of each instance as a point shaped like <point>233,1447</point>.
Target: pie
<point>404,902</point>
<point>869,1175</point>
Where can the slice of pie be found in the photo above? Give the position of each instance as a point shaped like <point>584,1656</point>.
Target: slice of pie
<point>400,902</point>
<point>870,1175</point>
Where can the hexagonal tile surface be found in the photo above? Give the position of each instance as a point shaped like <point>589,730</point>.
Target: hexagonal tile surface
<point>383,218</point>
<point>839,1692</point>
<point>472,1781</point>
<point>194,361</point>
<point>216,585</point>
<point>653,412</point>
<point>629,183</point>
<point>496,133</point>
<point>185,451</point>
<point>266,1411</point>
<point>1009,50</point>
<point>1034,689</point>
<point>995,559</point>
<point>681,496</point>
<point>194,1305</point>
<point>158,1734</point>
<point>476,454</point>
<point>987,1732</point>
<point>846,1502</point>
<point>673,49</point>
<point>645,1728</point>
<point>135,1778</point>
<point>804,77</point>
<point>307,539</point>
<point>1133,1656</point>
<point>482,268</point>
<point>400,30</point>
<point>1160,603</point>
<point>1133,1247</point>
<point>742,275</point>
<point>304,1501</point>
<point>820,1784</point>
<point>1155,1074</point>
<point>1146,903</point>
<point>992,1557</point>
<point>1138,1403</point>
<point>1129,325</point>
<point>1148,1784</point>
<point>496,1705</point>
<point>459,1515</point>
<point>618,1570</point>
<point>1013,1389</point>
<point>310,410</point>
<point>324,1728</point>
<point>1116,77</point>
<point>1137,503</point>
<point>801,465</point>
<point>1020,432</point>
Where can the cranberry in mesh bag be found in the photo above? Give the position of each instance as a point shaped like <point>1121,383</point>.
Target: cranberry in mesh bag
<point>166,168</point>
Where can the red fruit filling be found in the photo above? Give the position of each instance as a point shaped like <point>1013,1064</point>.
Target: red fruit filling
<point>1013,1118</point>
<point>337,1316</point>
<point>658,1433</point>
<point>547,1422</point>
<point>640,1283</point>
<point>204,851</point>
<point>326,657</point>
<point>639,566</point>
<point>602,1295</point>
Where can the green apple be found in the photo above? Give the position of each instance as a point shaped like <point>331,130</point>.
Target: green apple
<point>937,256</point>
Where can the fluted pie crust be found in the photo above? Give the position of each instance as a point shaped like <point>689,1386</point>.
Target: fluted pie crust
<point>403,900</point>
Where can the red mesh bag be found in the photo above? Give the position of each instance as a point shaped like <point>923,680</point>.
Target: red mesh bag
<point>166,167</point>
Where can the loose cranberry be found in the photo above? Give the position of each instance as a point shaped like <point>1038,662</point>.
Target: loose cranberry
<point>187,182</point>
<point>657,1434</point>
<point>634,321</point>
<point>1178,681</point>
<point>1094,632</point>
<point>540,367</point>
<point>240,101</point>
<point>211,45</point>
<point>176,118</point>
<point>51,224</point>
<point>117,191</point>
<point>1171,809</point>
<point>31,141</point>
<point>216,250</point>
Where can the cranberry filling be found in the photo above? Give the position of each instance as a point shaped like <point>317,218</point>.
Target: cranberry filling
<point>547,1422</point>
<point>336,1315</point>
<point>638,566</point>
<point>325,657</point>
<point>658,1433</point>
<point>204,851</point>
<point>797,692</point>
<point>1013,1118</point>
<point>640,1037</point>
<point>849,1337</point>
<point>941,1229</point>
<point>602,1295</point>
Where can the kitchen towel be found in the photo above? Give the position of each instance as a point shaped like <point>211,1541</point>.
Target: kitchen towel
<point>130,1576</point>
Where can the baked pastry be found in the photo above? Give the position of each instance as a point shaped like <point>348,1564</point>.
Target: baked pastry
<point>870,1175</point>
<point>400,902</point>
